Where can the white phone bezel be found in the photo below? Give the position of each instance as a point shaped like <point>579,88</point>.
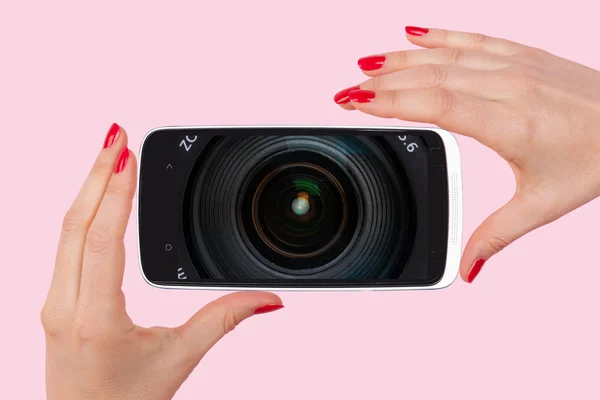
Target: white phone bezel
<point>455,206</point>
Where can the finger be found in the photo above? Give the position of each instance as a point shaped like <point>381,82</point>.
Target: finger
<point>342,98</point>
<point>218,318</point>
<point>67,272</point>
<point>104,253</point>
<point>477,83</point>
<point>442,38</point>
<point>509,223</point>
<point>381,64</point>
<point>457,112</point>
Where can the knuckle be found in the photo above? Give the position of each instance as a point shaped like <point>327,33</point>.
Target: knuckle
<point>51,321</point>
<point>230,320</point>
<point>396,101</point>
<point>403,59</point>
<point>86,329</point>
<point>435,75</point>
<point>444,101</point>
<point>479,40</point>
<point>73,224</point>
<point>118,189</point>
<point>102,166</point>
<point>456,56</point>
<point>446,35</point>
<point>377,83</point>
<point>99,239</point>
<point>83,333</point>
<point>498,243</point>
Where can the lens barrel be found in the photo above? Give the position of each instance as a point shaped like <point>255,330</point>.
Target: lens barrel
<point>285,207</point>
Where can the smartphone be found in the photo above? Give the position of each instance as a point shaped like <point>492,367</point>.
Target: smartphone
<point>299,208</point>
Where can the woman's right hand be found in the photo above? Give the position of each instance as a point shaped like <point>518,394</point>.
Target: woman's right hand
<point>541,113</point>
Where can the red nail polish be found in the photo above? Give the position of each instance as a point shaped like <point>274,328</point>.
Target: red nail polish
<point>361,96</point>
<point>268,308</point>
<point>475,269</point>
<point>111,136</point>
<point>416,31</point>
<point>342,96</point>
<point>122,160</point>
<point>371,63</point>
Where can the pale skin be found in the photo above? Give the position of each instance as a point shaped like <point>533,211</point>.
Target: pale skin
<point>539,112</point>
<point>93,349</point>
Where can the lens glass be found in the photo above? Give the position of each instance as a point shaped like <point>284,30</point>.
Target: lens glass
<point>299,210</point>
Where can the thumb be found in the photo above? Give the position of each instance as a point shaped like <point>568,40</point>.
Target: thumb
<point>509,223</point>
<point>218,318</point>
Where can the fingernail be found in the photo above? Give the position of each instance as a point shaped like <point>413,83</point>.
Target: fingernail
<point>122,160</point>
<point>361,96</point>
<point>111,136</point>
<point>416,31</point>
<point>342,96</point>
<point>475,269</point>
<point>269,308</point>
<point>371,63</point>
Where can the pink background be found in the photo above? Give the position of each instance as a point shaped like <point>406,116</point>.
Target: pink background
<point>528,327</point>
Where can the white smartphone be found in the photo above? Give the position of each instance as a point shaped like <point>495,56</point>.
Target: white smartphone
<point>299,208</point>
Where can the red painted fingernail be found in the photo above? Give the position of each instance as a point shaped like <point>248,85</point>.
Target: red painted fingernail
<point>269,308</point>
<point>371,63</point>
<point>475,269</point>
<point>361,96</point>
<point>111,136</point>
<point>342,96</point>
<point>122,160</point>
<point>416,31</point>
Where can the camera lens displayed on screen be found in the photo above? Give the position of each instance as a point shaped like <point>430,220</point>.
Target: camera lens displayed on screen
<point>288,207</point>
<point>297,211</point>
<point>293,208</point>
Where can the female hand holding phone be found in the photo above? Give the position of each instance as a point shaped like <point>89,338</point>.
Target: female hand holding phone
<point>93,349</point>
<point>539,112</point>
